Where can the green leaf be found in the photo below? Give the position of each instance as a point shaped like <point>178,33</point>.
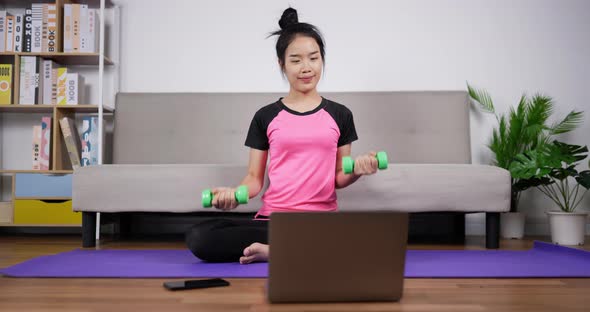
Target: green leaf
<point>529,165</point>
<point>569,123</point>
<point>539,110</point>
<point>567,153</point>
<point>564,173</point>
<point>583,179</point>
<point>482,97</point>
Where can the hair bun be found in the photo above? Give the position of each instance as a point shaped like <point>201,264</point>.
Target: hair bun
<point>289,18</point>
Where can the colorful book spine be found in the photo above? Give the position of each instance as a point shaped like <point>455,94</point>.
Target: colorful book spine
<point>62,75</point>
<point>76,27</point>
<point>70,135</point>
<point>54,74</point>
<point>45,143</point>
<point>5,84</point>
<point>89,141</point>
<point>51,28</point>
<point>36,147</point>
<point>44,23</point>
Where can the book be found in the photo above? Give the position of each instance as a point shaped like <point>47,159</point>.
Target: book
<point>5,84</point>
<point>18,32</point>
<point>9,33</point>
<point>48,85</point>
<point>3,23</point>
<point>28,31</point>
<point>45,157</point>
<point>54,74</point>
<point>76,27</point>
<point>83,28</point>
<point>71,139</point>
<point>38,80</point>
<point>67,27</point>
<point>36,147</point>
<point>44,24</point>
<point>28,80</point>
<point>52,28</point>
<point>93,30</point>
<point>37,27</point>
<point>62,74</point>
<point>89,141</point>
<point>73,83</point>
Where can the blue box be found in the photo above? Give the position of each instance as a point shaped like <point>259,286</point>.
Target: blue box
<point>43,185</point>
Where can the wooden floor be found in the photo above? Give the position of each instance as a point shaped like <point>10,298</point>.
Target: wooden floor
<point>55,294</point>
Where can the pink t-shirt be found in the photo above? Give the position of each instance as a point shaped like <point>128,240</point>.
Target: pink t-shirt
<point>302,154</point>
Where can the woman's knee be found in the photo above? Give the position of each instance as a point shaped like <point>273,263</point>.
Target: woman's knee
<point>201,240</point>
<point>197,241</point>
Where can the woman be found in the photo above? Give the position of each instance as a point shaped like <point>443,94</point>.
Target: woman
<point>304,136</point>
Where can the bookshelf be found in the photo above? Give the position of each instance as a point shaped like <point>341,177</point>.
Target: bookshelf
<point>88,59</point>
<point>26,193</point>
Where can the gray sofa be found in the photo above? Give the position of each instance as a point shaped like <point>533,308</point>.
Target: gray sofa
<point>167,147</point>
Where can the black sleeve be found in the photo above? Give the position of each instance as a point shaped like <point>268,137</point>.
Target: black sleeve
<point>343,118</point>
<point>257,133</point>
<point>347,129</point>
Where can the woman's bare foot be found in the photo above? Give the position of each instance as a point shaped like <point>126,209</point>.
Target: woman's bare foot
<point>256,252</point>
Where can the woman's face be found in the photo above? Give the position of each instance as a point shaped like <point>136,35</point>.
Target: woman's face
<point>303,64</point>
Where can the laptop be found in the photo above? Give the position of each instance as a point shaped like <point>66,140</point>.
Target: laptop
<point>337,256</point>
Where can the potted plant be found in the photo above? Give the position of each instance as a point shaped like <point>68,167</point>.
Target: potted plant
<point>521,130</point>
<point>551,168</point>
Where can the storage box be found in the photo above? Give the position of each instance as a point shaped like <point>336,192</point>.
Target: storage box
<point>5,212</point>
<point>43,185</point>
<point>45,212</point>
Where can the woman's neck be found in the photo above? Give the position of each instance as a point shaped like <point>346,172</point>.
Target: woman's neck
<point>302,102</point>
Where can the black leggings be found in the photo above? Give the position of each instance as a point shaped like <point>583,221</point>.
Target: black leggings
<point>224,240</point>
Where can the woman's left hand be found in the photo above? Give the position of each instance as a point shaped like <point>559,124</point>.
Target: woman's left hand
<point>366,164</point>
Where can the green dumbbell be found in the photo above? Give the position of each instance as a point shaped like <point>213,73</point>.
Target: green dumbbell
<point>241,195</point>
<point>348,162</point>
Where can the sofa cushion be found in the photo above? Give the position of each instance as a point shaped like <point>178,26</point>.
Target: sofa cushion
<point>402,187</point>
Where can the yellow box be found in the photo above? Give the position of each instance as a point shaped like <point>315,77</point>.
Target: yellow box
<point>30,211</point>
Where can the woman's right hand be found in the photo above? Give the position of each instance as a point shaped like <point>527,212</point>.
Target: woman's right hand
<point>224,198</point>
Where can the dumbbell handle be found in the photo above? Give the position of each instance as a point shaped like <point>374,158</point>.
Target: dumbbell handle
<point>241,195</point>
<point>348,162</point>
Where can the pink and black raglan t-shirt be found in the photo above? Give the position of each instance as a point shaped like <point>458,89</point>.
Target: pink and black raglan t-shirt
<point>302,150</point>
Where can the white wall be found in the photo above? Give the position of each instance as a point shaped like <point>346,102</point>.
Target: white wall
<point>507,47</point>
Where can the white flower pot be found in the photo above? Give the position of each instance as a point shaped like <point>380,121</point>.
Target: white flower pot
<point>567,228</point>
<point>512,225</point>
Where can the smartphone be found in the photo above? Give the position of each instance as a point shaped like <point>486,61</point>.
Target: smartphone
<point>193,284</point>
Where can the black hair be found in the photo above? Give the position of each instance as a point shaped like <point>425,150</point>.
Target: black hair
<point>290,28</point>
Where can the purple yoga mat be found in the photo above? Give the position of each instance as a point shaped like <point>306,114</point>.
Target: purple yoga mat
<point>543,260</point>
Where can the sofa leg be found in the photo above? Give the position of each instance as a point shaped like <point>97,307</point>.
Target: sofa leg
<point>88,229</point>
<point>125,225</point>
<point>492,230</point>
